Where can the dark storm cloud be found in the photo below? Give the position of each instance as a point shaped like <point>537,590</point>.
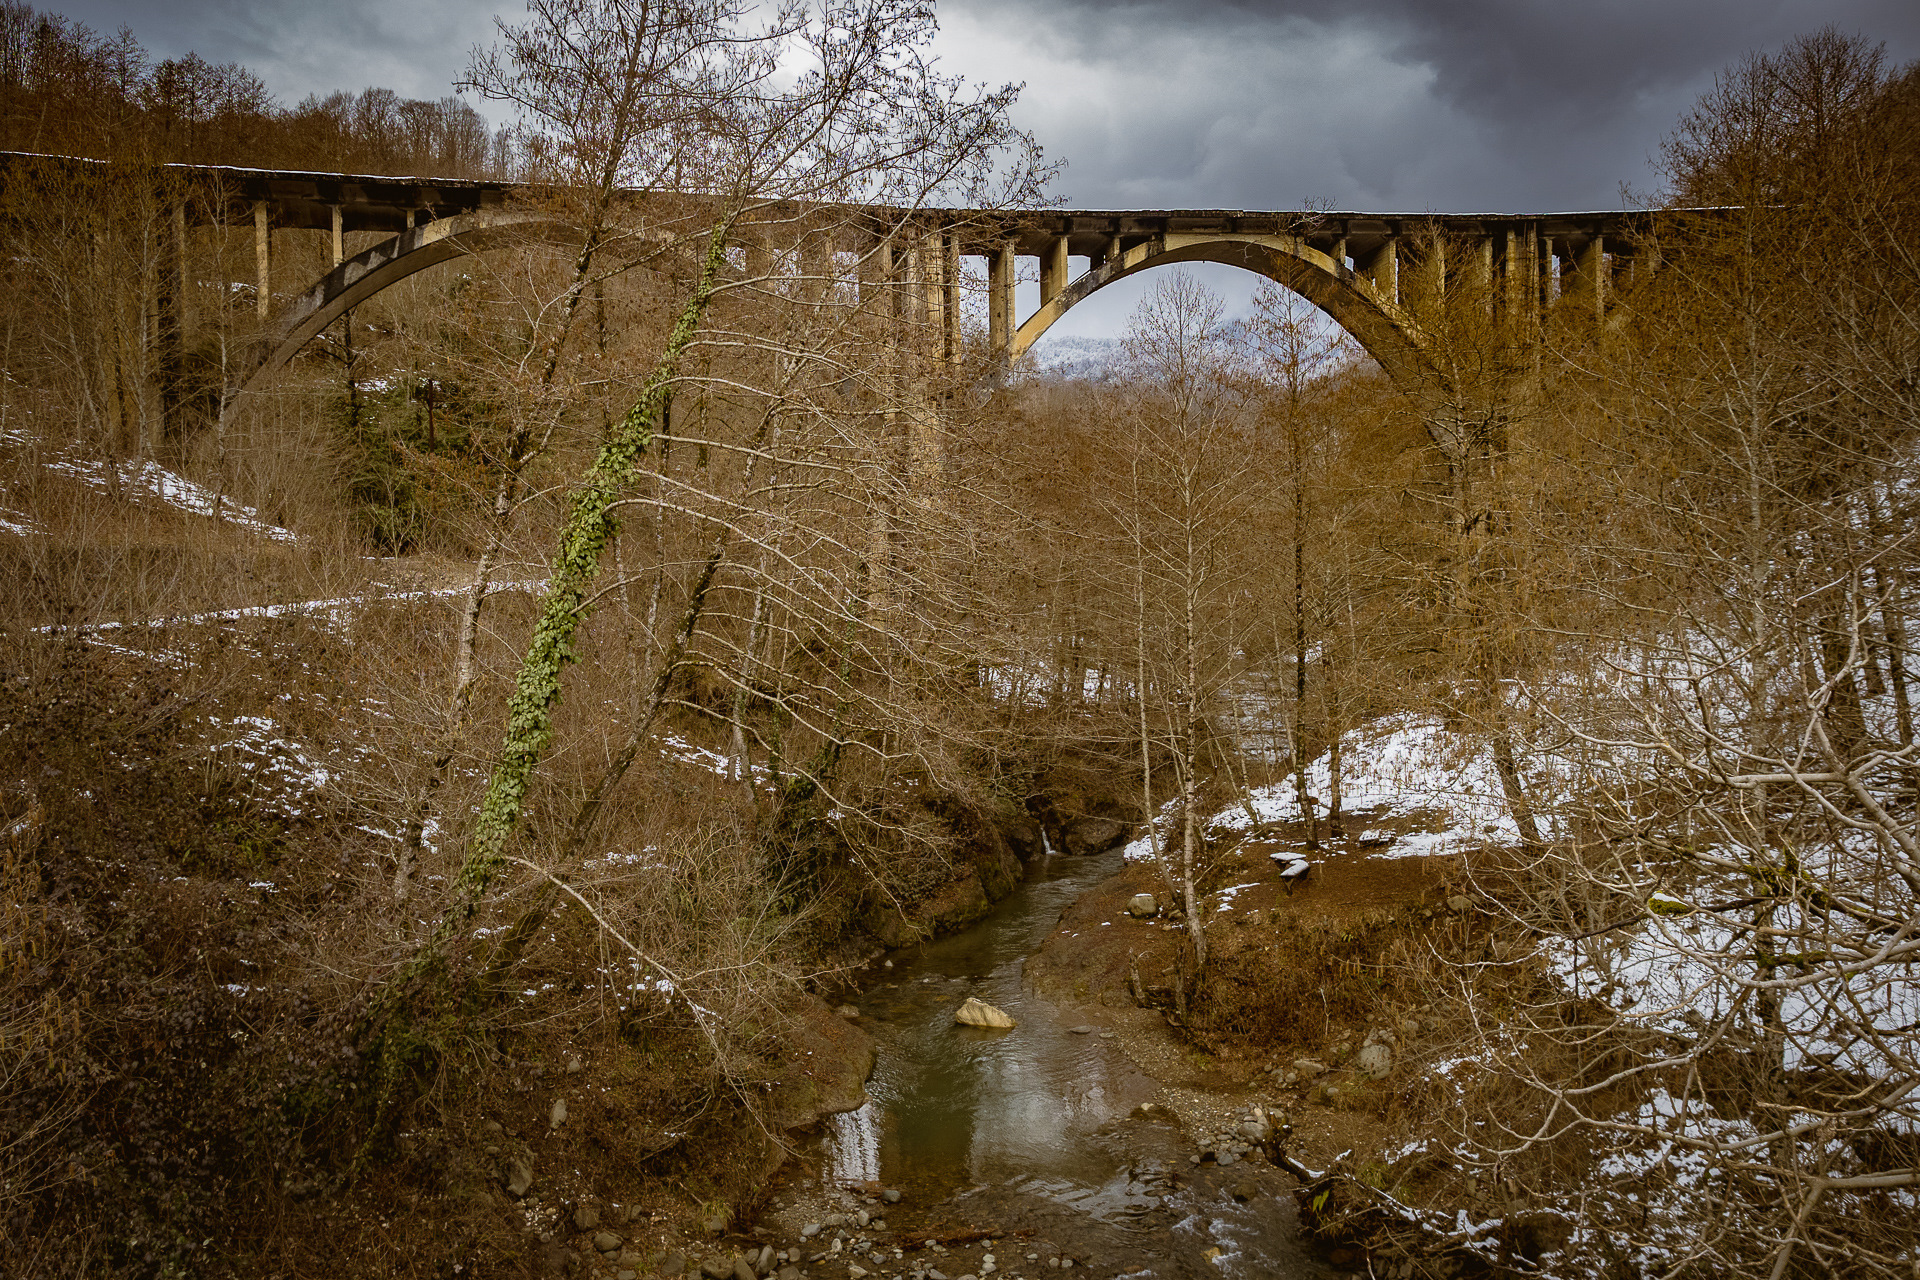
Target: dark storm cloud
<point>1412,104</point>
<point>1450,105</point>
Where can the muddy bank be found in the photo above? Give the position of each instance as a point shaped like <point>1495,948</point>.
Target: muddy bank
<point>1101,960</point>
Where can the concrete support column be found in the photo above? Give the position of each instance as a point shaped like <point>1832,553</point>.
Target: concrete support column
<point>1544,262</point>
<point>1339,254</point>
<point>1515,272</point>
<point>933,285</point>
<point>925,450</point>
<point>1384,269</point>
<point>1000,277</point>
<point>874,273</point>
<point>950,298</point>
<point>816,283</point>
<point>1482,270</point>
<point>339,238</point>
<point>263,258</point>
<point>1114,254</point>
<point>1433,271</point>
<point>1053,270</point>
<point>1590,265</point>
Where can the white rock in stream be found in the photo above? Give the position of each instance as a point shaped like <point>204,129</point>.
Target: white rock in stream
<point>978,1013</point>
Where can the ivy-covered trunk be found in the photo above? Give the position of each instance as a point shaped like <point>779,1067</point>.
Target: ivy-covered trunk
<point>583,542</point>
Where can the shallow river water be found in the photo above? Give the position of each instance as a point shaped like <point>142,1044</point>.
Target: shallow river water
<point>1043,1124</point>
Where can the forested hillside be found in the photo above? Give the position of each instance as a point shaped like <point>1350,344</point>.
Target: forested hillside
<point>442,788</point>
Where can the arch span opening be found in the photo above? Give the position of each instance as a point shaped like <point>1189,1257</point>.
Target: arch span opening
<point>1382,329</point>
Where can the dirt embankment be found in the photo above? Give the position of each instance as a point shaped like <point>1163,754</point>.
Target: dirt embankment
<point>1298,973</point>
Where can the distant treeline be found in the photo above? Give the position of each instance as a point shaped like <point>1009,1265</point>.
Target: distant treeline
<point>66,89</point>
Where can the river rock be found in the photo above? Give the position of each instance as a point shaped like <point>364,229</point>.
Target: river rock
<point>1459,903</point>
<point>558,1115</point>
<point>1086,836</point>
<point>1143,905</point>
<point>891,1195</point>
<point>978,1013</point>
<point>606,1242</point>
<point>1307,1068</point>
<point>519,1177</point>
<point>1375,1060</point>
<point>585,1217</point>
<point>848,1011</point>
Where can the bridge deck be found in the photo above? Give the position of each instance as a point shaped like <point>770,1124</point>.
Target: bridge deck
<point>304,199</point>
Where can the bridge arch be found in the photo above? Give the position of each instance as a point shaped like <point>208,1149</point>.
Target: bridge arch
<point>1382,328</point>
<point>391,261</point>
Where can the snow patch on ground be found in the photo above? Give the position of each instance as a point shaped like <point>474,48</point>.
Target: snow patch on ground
<point>1399,766</point>
<point>148,483</point>
<point>1692,974</point>
<point>17,522</point>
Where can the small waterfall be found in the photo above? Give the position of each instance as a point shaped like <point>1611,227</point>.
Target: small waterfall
<point>854,1146</point>
<point>1046,845</point>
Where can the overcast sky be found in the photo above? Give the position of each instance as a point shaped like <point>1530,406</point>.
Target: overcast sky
<point>1389,105</point>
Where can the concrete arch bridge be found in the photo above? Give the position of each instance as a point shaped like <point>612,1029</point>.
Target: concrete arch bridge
<point>1364,270</point>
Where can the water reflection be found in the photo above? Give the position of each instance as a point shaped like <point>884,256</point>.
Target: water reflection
<point>964,1106</point>
<point>1040,1109</point>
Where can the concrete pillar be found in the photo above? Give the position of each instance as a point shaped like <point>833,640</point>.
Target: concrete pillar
<point>816,283</point>
<point>925,449</point>
<point>1053,270</point>
<point>1544,262</point>
<point>875,270</point>
<point>263,258</point>
<point>1384,269</point>
<point>932,260</point>
<point>950,297</point>
<point>1339,254</point>
<point>1483,268</point>
<point>1433,270</point>
<point>1590,275</point>
<point>339,238</point>
<point>1000,277</point>
<point>1515,275</point>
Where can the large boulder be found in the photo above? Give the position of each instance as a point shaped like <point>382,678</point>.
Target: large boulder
<point>957,904</point>
<point>1022,836</point>
<point>978,1013</point>
<point>1143,905</point>
<point>1375,1061</point>
<point>828,1060</point>
<point>1087,836</point>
